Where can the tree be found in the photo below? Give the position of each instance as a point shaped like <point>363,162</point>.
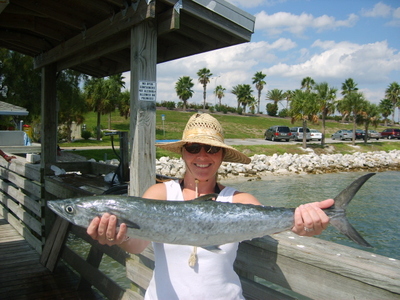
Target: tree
<point>124,105</point>
<point>393,94</point>
<point>304,107</point>
<point>288,96</point>
<point>20,83</point>
<point>307,83</point>
<point>243,94</point>
<point>204,78</point>
<point>325,98</point>
<point>219,92</point>
<point>258,80</point>
<point>275,95</point>
<point>355,104</point>
<point>114,85</point>
<point>349,86</point>
<point>183,88</point>
<point>386,108</point>
<point>102,96</point>
<point>71,100</point>
<point>369,116</point>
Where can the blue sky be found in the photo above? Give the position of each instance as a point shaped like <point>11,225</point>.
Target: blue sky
<point>326,40</point>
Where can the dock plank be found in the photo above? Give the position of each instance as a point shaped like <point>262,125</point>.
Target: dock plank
<point>23,277</point>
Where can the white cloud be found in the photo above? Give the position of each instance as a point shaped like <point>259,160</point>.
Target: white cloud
<point>379,10</point>
<point>367,64</point>
<point>297,24</point>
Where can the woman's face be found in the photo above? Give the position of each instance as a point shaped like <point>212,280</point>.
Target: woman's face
<point>203,165</point>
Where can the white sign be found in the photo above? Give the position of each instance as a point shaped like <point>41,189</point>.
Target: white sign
<point>147,90</point>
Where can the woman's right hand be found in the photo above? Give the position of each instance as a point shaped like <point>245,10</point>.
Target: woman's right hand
<point>104,230</point>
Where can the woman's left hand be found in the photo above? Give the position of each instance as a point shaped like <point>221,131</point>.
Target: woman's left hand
<point>310,219</point>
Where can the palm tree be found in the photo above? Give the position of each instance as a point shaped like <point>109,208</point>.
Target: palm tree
<point>204,78</point>
<point>393,94</point>
<point>114,84</point>
<point>349,86</point>
<point>386,108</point>
<point>325,97</point>
<point>219,92</point>
<point>258,80</point>
<point>243,94</point>
<point>370,116</point>
<point>355,104</point>
<point>183,88</point>
<point>288,96</point>
<point>307,83</point>
<point>96,98</point>
<point>304,107</point>
<point>275,95</point>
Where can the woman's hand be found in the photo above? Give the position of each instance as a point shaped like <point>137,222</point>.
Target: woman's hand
<point>104,230</point>
<point>310,219</point>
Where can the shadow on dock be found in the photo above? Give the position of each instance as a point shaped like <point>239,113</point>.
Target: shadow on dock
<point>23,277</point>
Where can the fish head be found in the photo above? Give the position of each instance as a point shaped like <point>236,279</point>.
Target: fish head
<point>75,211</point>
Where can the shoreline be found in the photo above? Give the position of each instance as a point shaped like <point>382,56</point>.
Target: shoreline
<point>292,164</point>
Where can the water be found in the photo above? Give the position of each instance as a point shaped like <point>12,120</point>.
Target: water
<point>374,211</point>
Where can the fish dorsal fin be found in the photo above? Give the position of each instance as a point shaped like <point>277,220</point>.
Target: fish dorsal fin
<point>208,197</point>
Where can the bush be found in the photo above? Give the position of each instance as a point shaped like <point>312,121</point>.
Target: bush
<point>272,109</point>
<point>283,113</point>
<point>86,135</point>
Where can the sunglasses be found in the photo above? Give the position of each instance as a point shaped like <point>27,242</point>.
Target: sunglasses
<point>194,148</point>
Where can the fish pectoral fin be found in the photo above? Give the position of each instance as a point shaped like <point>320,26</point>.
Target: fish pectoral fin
<point>130,224</point>
<point>214,249</point>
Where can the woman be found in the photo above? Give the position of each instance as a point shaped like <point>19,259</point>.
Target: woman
<point>186,272</point>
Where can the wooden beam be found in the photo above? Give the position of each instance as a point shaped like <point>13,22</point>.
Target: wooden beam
<point>101,32</point>
<point>168,21</point>
<point>143,109</point>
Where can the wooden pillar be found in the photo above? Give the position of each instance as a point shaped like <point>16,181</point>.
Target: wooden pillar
<point>143,107</point>
<point>49,116</point>
<point>48,135</point>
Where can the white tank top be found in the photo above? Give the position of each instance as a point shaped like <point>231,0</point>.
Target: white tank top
<point>212,277</point>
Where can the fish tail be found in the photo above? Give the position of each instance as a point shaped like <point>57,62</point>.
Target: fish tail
<point>339,220</point>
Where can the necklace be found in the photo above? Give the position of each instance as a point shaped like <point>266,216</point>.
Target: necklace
<point>193,256</point>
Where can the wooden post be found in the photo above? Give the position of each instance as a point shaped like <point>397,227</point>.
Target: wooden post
<point>143,106</point>
<point>48,134</point>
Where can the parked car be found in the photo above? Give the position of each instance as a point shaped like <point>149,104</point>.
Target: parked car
<point>391,133</point>
<point>373,134</point>
<point>343,134</point>
<point>297,133</point>
<point>278,133</point>
<point>360,134</point>
<point>316,135</point>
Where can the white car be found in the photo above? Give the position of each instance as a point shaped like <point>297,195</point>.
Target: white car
<point>316,135</point>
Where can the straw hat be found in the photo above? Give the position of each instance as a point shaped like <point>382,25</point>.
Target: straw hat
<point>205,129</point>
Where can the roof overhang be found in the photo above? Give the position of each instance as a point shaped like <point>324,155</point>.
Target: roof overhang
<point>7,109</point>
<point>94,36</point>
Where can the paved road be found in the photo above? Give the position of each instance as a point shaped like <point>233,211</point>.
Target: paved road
<point>252,142</point>
<point>267,142</point>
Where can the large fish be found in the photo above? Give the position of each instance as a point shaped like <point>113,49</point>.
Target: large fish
<point>200,222</point>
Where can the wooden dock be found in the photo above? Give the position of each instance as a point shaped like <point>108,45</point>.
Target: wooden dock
<point>23,277</point>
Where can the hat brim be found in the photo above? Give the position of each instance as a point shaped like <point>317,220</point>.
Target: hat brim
<point>231,154</point>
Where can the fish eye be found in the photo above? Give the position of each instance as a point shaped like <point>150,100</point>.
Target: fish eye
<point>69,209</point>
